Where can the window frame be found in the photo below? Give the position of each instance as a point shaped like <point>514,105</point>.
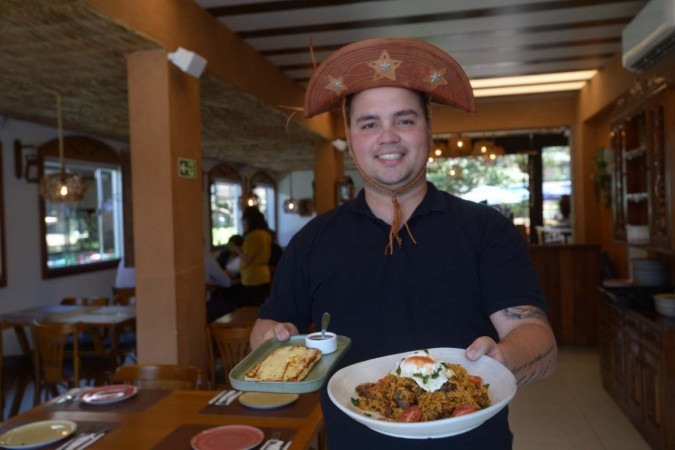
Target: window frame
<point>221,172</point>
<point>76,149</point>
<point>3,249</point>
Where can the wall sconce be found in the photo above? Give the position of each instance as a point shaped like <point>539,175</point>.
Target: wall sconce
<point>30,169</point>
<point>187,61</point>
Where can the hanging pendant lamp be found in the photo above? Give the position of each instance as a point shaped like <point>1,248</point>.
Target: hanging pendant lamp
<point>62,186</point>
<point>291,205</point>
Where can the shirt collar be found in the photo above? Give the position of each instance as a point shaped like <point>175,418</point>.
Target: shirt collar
<point>433,201</point>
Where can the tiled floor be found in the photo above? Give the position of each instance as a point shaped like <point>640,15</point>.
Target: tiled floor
<point>571,410</point>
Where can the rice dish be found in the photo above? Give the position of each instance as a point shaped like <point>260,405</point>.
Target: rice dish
<point>422,388</point>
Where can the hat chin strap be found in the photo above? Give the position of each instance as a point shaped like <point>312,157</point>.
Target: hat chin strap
<point>398,212</point>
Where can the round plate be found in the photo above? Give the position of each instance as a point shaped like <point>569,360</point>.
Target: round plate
<point>502,388</point>
<point>228,437</point>
<point>266,400</point>
<point>37,434</point>
<point>106,395</point>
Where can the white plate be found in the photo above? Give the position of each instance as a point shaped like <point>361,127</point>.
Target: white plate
<point>107,395</point>
<point>266,400</point>
<point>37,434</point>
<point>501,390</point>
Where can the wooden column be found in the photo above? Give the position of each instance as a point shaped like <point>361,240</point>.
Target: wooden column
<point>164,124</point>
<point>328,168</point>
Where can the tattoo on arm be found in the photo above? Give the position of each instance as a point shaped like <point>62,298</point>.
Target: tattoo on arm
<point>524,312</point>
<point>536,374</point>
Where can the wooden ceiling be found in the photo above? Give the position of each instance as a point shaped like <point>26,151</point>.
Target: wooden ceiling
<point>65,46</point>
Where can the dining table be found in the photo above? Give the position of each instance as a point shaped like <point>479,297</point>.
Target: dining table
<point>171,419</point>
<point>114,318</point>
<point>240,317</point>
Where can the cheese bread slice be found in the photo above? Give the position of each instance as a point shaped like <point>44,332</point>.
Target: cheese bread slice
<point>290,363</point>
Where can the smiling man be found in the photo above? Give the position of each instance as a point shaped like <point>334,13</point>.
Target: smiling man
<point>403,266</point>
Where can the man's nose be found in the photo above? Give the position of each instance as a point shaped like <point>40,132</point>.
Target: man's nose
<point>388,135</point>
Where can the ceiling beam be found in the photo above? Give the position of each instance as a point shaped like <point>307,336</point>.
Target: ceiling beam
<point>174,23</point>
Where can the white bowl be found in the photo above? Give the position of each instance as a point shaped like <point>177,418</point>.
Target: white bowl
<point>665,304</point>
<point>501,390</point>
<point>327,344</point>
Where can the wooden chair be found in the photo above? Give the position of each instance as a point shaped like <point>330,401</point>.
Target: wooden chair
<point>226,346</point>
<point>58,363</point>
<point>160,376</point>
<point>124,296</point>
<point>16,371</point>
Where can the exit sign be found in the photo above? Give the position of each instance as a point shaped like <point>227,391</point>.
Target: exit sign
<point>187,168</point>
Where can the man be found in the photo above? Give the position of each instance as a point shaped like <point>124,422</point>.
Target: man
<point>453,273</point>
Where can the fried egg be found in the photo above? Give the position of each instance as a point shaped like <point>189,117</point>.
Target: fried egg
<point>428,372</point>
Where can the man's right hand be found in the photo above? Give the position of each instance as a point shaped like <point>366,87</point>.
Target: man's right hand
<point>265,329</point>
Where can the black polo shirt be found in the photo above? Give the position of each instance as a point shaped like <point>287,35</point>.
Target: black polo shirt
<point>468,262</point>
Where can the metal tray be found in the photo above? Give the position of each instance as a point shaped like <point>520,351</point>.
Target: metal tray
<point>312,382</point>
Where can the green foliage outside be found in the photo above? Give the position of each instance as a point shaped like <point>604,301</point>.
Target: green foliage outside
<point>474,171</point>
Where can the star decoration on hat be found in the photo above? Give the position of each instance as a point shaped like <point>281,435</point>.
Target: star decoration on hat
<point>336,85</point>
<point>385,67</point>
<point>436,78</point>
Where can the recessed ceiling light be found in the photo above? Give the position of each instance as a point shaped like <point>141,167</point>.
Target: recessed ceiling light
<point>532,84</point>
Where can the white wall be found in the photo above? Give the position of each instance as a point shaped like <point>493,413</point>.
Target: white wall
<point>25,287</point>
<point>289,224</point>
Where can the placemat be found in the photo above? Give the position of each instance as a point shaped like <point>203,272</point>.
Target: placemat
<point>82,427</point>
<point>299,408</point>
<point>139,402</point>
<point>181,436</point>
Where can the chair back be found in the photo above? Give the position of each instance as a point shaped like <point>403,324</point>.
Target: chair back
<point>159,376</point>
<point>50,355</point>
<point>227,346</point>
<point>124,296</point>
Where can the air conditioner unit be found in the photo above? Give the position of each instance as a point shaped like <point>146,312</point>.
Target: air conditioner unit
<point>649,36</point>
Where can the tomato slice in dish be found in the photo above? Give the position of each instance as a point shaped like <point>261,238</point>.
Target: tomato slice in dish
<point>412,414</point>
<point>461,410</point>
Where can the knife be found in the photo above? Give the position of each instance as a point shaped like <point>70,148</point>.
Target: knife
<point>218,397</point>
<point>85,440</point>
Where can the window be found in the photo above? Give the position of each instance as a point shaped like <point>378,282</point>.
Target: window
<point>86,235</point>
<point>265,188</point>
<point>225,187</point>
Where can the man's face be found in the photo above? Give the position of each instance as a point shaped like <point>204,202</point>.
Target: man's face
<point>389,135</point>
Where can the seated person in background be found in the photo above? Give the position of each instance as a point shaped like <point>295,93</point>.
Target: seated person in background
<point>125,276</point>
<point>229,258</point>
<point>218,284</point>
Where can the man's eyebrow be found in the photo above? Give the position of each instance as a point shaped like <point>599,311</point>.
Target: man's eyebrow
<point>367,118</point>
<point>406,112</point>
<point>403,112</point>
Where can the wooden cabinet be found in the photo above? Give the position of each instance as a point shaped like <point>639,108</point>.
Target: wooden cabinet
<point>642,142</point>
<point>637,363</point>
<point>569,276</point>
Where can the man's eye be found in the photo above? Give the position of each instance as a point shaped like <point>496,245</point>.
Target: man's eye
<point>367,126</point>
<point>406,122</point>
